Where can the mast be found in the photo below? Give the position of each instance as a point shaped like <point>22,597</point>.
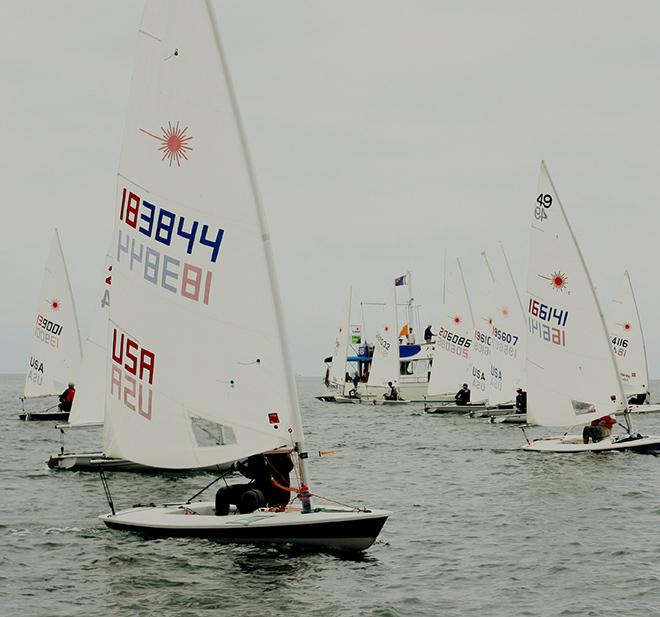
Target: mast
<point>513,280</point>
<point>68,284</point>
<point>265,234</point>
<point>641,331</point>
<point>465,289</point>
<point>410,300</point>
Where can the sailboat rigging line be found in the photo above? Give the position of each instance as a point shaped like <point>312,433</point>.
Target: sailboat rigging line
<point>210,484</point>
<point>106,489</point>
<point>522,428</point>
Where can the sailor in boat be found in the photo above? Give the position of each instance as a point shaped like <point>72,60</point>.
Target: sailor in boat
<point>66,398</point>
<point>393,394</point>
<point>462,397</point>
<point>598,429</point>
<point>269,486</point>
<point>410,338</point>
<point>521,401</point>
<point>428,334</point>
<point>638,399</point>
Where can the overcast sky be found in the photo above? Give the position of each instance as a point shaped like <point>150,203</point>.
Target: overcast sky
<point>382,131</point>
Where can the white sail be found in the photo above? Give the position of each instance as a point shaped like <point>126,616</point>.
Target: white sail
<point>55,354</point>
<point>508,336</point>
<point>199,372</point>
<point>571,373</point>
<point>385,366</point>
<point>481,300</point>
<point>627,340</point>
<point>337,375</point>
<point>453,346</point>
<point>89,402</point>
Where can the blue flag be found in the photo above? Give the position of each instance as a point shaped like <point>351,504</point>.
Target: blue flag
<point>400,281</point>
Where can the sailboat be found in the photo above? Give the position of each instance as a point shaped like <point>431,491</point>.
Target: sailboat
<point>454,343</point>
<point>572,377</point>
<point>56,351</point>
<point>386,363</point>
<point>627,338</point>
<point>335,381</point>
<point>199,370</point>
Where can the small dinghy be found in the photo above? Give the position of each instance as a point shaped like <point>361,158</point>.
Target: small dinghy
<point>454,340</point>
<point>341,391</point>
<point>383,385</point>
<point>572,376</point>
<point>56,352</point>
<point>629,347</point>
<point>199,369</point>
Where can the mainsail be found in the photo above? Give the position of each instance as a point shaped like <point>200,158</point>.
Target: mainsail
<point>89,402</point>
<point>483,289</point>
<point>508,336</point>
<point>198,372</point>
<point>55,354</point>
<point>337,377</point>
<point>571,373</point>
<point>451,357</point>
<point>627,340</point>
<point>385,366</point>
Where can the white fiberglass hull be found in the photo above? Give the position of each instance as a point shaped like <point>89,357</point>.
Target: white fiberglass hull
<point>470,407</point>
<point>387,403</point>
<point>332,398</point>
<point>573,443</point>
<point>509,418</point>
<point>340,529</point>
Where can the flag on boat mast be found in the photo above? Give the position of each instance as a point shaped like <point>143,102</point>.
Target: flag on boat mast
<point>401,280</point>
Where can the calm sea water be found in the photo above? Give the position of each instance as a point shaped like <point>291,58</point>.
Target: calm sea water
<point>478,528</point>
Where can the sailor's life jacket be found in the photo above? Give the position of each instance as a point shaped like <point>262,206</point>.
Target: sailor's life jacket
<point>66,399</point>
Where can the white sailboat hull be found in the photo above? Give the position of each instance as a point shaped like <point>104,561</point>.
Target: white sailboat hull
<point>338,529</point>
<point>509,418</point>
<point>332,398</point>
<point>573,443</point>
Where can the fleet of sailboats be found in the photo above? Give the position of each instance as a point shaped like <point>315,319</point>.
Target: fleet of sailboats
<point>186,365</point>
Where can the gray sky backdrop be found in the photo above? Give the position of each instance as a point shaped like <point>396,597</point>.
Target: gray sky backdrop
<point>382,131</point>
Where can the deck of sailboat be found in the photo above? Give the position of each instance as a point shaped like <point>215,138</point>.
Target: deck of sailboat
<point>328,528</point>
